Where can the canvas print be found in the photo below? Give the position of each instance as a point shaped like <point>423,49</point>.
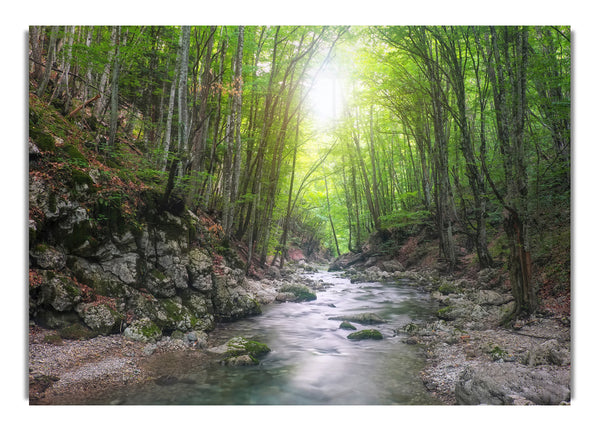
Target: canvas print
<point>299,215</point>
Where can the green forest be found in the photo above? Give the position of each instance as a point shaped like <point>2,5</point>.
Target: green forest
<point>331,139</point>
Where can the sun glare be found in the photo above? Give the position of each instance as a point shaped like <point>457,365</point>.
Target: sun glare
<point>326,98</point>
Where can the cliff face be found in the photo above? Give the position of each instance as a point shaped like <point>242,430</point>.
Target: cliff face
<point>100,271</point>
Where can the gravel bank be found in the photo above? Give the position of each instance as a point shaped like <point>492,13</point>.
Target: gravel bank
<point>75,371</point>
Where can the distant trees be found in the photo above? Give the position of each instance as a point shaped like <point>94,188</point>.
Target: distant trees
<point>467,137</point>
<point>459,130</point>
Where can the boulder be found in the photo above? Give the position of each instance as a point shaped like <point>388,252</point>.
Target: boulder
<point>297,293</point>
<point>500,383</point>
<point>47,257</point>
<point>347,325</point>
<point>241,351</point>
<point>547,353</point>
<point>392,266</point>
<point>490,297</point>
<point>58,291</point>
<point>199,269</point>
<point>100,318</point>
<point>143,330</point>
<point>365,334</point>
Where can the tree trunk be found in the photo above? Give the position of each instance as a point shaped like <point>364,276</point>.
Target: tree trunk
<point>180,156</point>
<point>232,163</point>
<point>114,94</point>
<point>507,66</point>
<point>49,62</point>
<point>337,247</point>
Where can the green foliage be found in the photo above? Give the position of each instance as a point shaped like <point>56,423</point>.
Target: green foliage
<point>75,156</point>
<point>401,218</point>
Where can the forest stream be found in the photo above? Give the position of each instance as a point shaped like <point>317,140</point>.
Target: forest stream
<point>311,360</point>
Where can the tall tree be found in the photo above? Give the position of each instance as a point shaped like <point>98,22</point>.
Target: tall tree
<point>507,58</point>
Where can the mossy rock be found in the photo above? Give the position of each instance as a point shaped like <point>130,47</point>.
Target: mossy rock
<point>143,330</point>
<point>410,328</point>
<point>300,292</point>
<point>447,288</point>
<point>75,156</point>
<point>240,351</point>
<point>102,318</point>
<point>81,179</point>
<point>362,318</point>
<point>44,141</point>
<point>347,325</point>
<point>366,334</point>
<point>446,313</point>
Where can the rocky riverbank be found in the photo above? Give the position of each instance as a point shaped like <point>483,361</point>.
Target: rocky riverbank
<point>474,354</point>
<point>80,371</point>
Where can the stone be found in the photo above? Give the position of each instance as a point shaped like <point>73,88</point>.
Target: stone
<point>199,269</point>
<point>347,325</point>
<point>240,361</point>
<point>366,334</point>
<point>300,292</point>
<point>241,351</point>
<point>124,267</point>
<point>392,266</point>
<point>149,349</point>
<point>101,318</point>
<point>143,330</point>
<point>47,257</point>
<point>499,383</point>
<point>491,297</point>
<point>58,291</point>
<point>273,272</point>
<point>159,284</point>
<point>548,353</point>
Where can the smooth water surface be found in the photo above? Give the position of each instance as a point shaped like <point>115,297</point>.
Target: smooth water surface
<point>311,360</point>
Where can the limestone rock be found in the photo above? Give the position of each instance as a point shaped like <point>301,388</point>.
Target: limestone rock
<point>143,330</point>
<point>296,293</point>
<point>548,353</point>
<point>241,351</point>
<point>48,257</point>
<point>59,291</point>
<point>504,383</point>
<point>101,318</point>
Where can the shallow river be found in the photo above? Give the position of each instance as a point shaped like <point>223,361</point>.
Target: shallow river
<point>311,360</point>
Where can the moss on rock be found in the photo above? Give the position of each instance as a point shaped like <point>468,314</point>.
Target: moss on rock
<point>240,351</point>
<point>347,325</point>
<point>301,293</point>
<point>366,334</point>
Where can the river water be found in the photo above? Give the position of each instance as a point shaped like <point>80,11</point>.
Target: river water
<point>311,360</point>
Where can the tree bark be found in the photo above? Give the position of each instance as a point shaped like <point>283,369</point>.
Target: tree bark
<point>49,62</point>
<point>114,93</point>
